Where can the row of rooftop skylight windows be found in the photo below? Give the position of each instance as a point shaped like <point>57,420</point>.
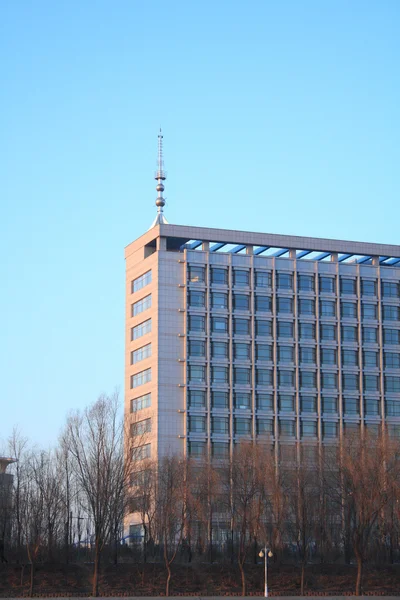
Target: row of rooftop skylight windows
<point>286,354</point>
<point>286,329</point>
<point>308,403</point>
<point>197,374</point>
<point>285,281</point>
<point>305,306</point>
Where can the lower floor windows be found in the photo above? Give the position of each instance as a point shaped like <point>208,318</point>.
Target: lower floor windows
<point>392,407</point>
<point>197,449</point>
<point>351,406</point>
<point>141,402</point>
<point>287,428</point>
<point>308,404</point>
<point>242,426</point>
<point>286,402</point>
<point>330,430</point>
<point>329,405</point>
<point>220,400</point>
<point>220,450</point>
<point>265,426</point>
<point>197,424</point>
<point>308,428</point>
<point>196,398</point>
<point>142,452</point>
<point>372,407</point>
<point>141,427</point>
<point>220,425</point>
<point>242,400</point>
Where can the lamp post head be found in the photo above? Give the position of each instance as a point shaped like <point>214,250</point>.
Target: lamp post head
<point>261,553</point>
<point>270,555</point>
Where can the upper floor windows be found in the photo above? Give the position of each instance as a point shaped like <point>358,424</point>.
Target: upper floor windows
<point>264,328</point>
<point>348,286</point>
<point>196,298</point>
<point>141,305</point>
<point>306,306</point>
<point>241,277</point>
<point>219,350</point>
<point>263,279</point>
<point>196,274</point>
<point>327,285</point>
<point>285,329</point>
<point>141,329</point>
<point>141,281</point>
<point>390,313</point>
<point>219,324</point>
<point>390,289</point>
<point>284,281</point>
<point>241,302</point>
<point>263,303</point>
<point>140,354</point>
<point>392,360</point>
<point>241,351</point>
<point>285,305</point>
<point>141,427</point>
<point>140,378</point>
<point>219,300</point>
<point>197,348</point>
<point>349,310</point>
<point>327,308</point>
<point>391,336</point>
<point>141,402</point>
<point>219,275</point>
<point>197,323</point>
<point>369,311</point>
<point>368,287</point>
<point>196,398</point>
<point>241,326</point>
<point>306,283</point>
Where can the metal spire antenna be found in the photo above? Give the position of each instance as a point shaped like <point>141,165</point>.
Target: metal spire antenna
<point>160,176</point>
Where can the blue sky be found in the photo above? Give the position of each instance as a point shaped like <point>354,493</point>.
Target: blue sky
<point>277,116</point>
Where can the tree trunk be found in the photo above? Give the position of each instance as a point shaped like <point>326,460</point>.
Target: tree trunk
<point>360,565</point>
<point>95,586</point>
<point>303,568</point>
<point>32,578</point>
<point>168,578</point>
<point>243,576</point>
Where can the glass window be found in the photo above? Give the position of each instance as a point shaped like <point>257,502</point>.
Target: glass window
<point>285,329</point>
<point>241,350</point>
<point>390,313</point>
<point>141,305</point>
<point>306,306</point>
<point>140,378</point>
<point>307,355</point>
<point>196,274</point>
<point>351,406</point>
<point>141,402</point>
<point>330,430</point>
<point>141,281</point>
<point>308,428</point>
<point>370,335</point>
<point>141,329</point>
<point>351,428</point>
<point>263,304</point>
<point>242,426</point>
<point>264,352</point>
<point>329,404</point>
<point>219,275</point>
<point>351,381</point>
<point>263,279</point>
<point>394,430</point>
<point>350,358</point>
<point>349,333</point>
<point>197,348</point>
<point>390,289</point>
<point>220,374</point>
<point>307,379</point>
<point>309,453</point>
<point>285,354</point>
<point>197,449</point>
<point>392,360</point>
<point>392,383</point>
<point>286,403</point>
<point>372,407</point>
<point>327,308</point>
<point>196,398</point>
<point>219,324</point>
<point>392,407</point>
<point>141,427</point>
<point>140,354</point>
<point>265,402</point>
<point>219,349</point>
<point>287,453</point>
<point>368,287</point>
<point>197,323</point>
<point>241,277</point>
<point>197,373</point>
<point>219,300</point>
<point>220,450</point>
<point>391,336</point>
<point>241,326</point>
<point>286,378</point>
<point>328,356</point>
<point>307,331</point>
<point>220,425</point>
<point>368,311</point>
<point>285,281</point>
<point>328,332</point>
<point>142,452</point>
<point>348,286</point>
<point>287,428</point>
<point>196,298</point>
<point>264,376</point>
<point>220,399</point>
<point>241,302</point>
<point>265,426</point>
<point>370,358</point>
<point>242,400</point>
<point>327,285</point>
<point>263,328</point>
<point>285,305</point>
<point>308,404</point>
<point>242,375</point>
<point>329,380</point>
<point>306,283</point>
<point>349,310</point>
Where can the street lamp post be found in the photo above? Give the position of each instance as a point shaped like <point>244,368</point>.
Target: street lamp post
<point>266,554</point>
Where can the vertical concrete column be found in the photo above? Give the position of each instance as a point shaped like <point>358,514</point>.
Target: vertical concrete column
<point>161,243</point>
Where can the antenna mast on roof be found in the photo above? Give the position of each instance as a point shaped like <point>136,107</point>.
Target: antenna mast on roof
<point>160,176</point>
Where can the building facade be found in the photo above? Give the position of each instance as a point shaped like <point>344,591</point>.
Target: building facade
<point>233,335</point>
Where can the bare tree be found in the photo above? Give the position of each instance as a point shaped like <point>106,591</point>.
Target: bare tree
<point>18,449</point>
<point>95,439</point>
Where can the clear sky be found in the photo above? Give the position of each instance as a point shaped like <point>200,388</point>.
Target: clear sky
<point>278,116</point>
